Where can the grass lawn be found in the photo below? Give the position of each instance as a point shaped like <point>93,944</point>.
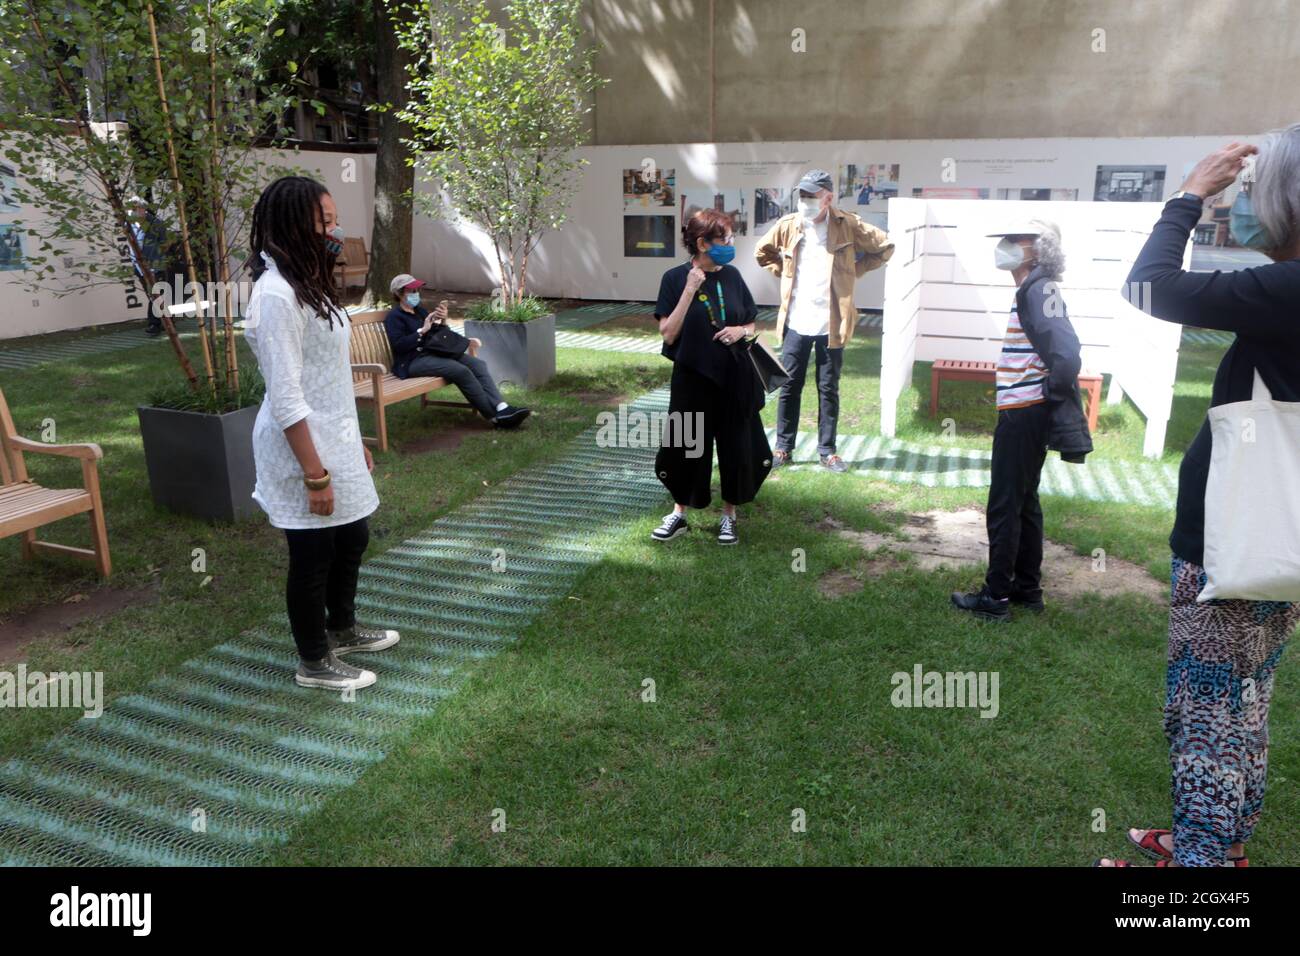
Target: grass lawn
<point>770,697</point>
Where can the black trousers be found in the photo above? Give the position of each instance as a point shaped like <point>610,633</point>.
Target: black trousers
<point>717,417</point>
<point>1014,517</point>
<point>322,588</point>
<point>467,373</point>
<point>795,352</point>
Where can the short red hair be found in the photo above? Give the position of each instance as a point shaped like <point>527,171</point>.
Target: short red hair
<point>705,224</point>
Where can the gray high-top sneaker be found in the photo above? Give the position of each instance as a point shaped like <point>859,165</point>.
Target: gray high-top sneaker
<point>331,673</point>
<point>358,638</point>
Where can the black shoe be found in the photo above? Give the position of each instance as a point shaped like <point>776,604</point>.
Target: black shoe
<point>153,330</point>
<point>727,530</point>
<point>511,417</point>
<point>674,524</point>
<point>1031,601</point>
<point>983,605</point>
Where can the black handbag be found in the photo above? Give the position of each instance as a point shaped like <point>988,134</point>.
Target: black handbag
<point>441,340</point>
<point>771,373</point>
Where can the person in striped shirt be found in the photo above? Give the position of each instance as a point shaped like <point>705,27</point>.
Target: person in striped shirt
<point>1038,400</point>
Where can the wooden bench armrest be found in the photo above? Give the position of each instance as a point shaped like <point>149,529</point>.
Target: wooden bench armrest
<point>371,368</point>
<point>86,450</point>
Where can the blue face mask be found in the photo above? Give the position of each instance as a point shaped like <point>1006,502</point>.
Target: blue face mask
<point>1244,227</point>
<point>721,254</point>
<point>412,299</point>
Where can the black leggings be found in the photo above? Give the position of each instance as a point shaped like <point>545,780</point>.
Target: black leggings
<point>323,568</point>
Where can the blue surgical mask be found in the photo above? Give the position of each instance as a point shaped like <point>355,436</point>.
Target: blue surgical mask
<point>1246,230</point>
<point>334,241</point>
<point>722,254</point>
<point>412,299</point>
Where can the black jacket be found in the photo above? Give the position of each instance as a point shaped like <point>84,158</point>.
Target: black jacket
<point>1041,309</point>
<point>1258,304</point>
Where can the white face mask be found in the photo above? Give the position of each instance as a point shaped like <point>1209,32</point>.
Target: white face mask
<point>1008,255</point>
<point>810,208</point>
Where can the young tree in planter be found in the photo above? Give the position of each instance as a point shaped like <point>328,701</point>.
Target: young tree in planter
<point>497,110</point>
<point>180,78</point>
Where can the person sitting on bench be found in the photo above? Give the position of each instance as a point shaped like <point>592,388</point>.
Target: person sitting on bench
<point>409,325</point>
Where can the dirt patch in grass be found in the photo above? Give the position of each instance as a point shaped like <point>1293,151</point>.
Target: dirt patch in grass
<point>20,629</point>
<point>596,397</point>
<point>837,584</point>
<point>446,438</point>
<point>956,539</point>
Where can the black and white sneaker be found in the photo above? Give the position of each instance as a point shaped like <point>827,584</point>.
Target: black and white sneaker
<point>674,524</point>
<point>511,417</point>
<point>330,673</point>
<point>727,530</point>
<point>359,638</point>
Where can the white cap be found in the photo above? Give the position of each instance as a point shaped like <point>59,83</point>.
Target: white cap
<point>401,282</point>
<point>1020,227</point>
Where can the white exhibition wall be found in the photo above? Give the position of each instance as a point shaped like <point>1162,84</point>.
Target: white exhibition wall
<point>944,299</point>
<point>350,178</point>
<point>586,259</point>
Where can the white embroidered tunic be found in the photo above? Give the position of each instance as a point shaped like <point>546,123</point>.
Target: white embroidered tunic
<point>308,376</point>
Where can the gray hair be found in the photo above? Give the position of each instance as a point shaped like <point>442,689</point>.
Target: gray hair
<point>1275,196</point>
<point>1047,247</point>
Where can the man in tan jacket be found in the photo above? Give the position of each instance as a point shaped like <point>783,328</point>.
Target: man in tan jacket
<point>818,252</point>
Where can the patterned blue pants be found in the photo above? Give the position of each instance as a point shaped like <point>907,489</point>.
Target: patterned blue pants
<point>1222,655</point>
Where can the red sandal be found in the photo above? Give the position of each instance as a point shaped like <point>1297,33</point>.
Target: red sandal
<point>1150,844</point>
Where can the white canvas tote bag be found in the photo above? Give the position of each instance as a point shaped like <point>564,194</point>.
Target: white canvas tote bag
<point>1252,500</point>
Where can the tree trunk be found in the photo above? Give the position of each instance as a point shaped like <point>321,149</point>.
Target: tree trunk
<point>390,238</point>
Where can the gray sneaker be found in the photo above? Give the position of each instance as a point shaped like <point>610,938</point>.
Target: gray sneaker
<point>358,638</point>
<point>834,463</point>
<point>331,673</point>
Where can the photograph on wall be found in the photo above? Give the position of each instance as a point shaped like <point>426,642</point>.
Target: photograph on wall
<point>1040,195</point>
<point>949,192</point>
<point>649,189</point>
<point>729,201</point>
<point>8,188</point>
<point>652,237</point>
<point>1129,184</point>
<point>867,185</point>
<point>11,249</point>
<point>770,204</point>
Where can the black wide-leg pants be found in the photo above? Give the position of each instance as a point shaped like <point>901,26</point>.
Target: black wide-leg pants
<point>719,416</point>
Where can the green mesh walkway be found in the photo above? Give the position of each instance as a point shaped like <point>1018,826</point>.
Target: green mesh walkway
<point>230,734</point>
<point>79,347</point>
<point>939,466</point>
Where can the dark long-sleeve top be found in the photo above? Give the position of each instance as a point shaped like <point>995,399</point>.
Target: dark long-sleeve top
<point>1261,305</point>
<point>403,330</point>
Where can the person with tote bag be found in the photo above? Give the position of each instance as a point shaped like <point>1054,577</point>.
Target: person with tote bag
<point>1235,584</point>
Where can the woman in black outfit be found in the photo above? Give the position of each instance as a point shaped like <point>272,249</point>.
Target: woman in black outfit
<point>1222,653</point>
<point>704,311</point>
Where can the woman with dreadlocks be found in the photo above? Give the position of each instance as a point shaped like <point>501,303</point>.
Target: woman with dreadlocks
<point>313,472</point>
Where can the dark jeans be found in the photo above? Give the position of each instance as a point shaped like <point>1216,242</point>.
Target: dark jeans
<point>467,373</point>
<point>322,588</point>
<point>1014,517</point>
<point>795,349</point>
<point>744,456</point>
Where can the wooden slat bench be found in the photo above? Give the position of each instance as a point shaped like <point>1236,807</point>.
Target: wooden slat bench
<point>963,370</point>
<point>353,264</point>
<point>373,381</point>
<point>26,506</point>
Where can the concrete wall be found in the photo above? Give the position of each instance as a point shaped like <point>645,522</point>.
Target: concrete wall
<point>725,71</point>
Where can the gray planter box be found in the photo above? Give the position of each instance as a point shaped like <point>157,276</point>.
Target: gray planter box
<point>200,464</point>
<point>521,353</point>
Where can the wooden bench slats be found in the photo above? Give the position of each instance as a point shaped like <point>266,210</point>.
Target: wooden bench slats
<point>966,370</point>
<point>26,506</point>
<point>370,346</point>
